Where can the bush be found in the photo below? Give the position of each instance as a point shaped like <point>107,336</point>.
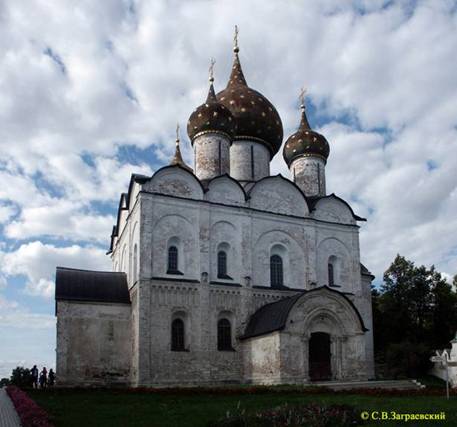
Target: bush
<point>21,377</point>
<point>311,415</point>
<point>406,359</point>
<point>29,412</point>
<point>4,382</point>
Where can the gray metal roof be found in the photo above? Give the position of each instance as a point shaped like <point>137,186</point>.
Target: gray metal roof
<point>91,286</point>
<point>270,317</point>
<point>273,317</point>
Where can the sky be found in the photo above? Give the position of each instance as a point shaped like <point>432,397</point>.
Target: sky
<point>91,92</point>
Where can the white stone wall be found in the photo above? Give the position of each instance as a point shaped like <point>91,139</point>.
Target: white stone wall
<point>250,230</point>
<point>93,344</point>
<point>211,156</point>
<point>262,359</point>
<point>249,164</point>
<point>309,175</point>
<point>123,255</point>
<point>272,218</point>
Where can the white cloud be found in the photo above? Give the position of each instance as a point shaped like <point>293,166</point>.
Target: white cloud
<point>13,314</point>
<point>38,261</point>
<point>126,81</point>
<point>382,83</point>
<point>27,338</point>
<point>63,219</point>
<point>6,212</point>
<point>3,283</point>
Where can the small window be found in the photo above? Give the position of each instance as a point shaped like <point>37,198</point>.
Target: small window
<point>222,265</point>
<point>224,335</point>
<point>331,278</point>
<point>172,260</point>
<point>177,335</point>
<point>276,271</point>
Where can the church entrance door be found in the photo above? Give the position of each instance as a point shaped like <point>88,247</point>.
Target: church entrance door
<point>319,357</point>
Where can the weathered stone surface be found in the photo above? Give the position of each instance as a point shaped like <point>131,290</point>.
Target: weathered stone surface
<point>93,343</point>
<point>309,175</point>
<point>108,344</point>
<point>212,156</point>
<point>249,161</point>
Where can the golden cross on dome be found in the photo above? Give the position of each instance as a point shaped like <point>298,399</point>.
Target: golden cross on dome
<point>302,97</point>
<point>211,70</point>
<point>235,40</point>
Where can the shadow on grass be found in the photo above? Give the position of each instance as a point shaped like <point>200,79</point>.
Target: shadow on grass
<point>198,407</point>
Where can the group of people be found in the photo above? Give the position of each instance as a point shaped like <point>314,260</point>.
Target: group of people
<point>43,378</point>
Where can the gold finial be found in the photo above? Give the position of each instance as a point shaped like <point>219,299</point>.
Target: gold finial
<point>236,49</point>
<point>302,97</point>
<point>177,134</point>
<point>211,70</point>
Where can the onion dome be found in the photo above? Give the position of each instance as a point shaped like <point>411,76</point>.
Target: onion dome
<point>256,117</point>
<point>305,141</point>
<point>211,117</point>
<point>177,159</point>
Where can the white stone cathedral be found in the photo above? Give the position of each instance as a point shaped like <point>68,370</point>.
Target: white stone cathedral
<point>224,274</point>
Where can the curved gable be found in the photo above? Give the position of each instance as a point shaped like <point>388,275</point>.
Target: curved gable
<point>334,209</point>
<point>224,189</point>
<point>278,194</point>
<point>175,181</point>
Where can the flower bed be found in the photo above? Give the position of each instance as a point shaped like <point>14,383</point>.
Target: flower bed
<point>29,412</point>
<point>311,415</point>
<point>282,390</point>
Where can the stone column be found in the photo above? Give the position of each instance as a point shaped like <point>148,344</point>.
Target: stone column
<point>309,174</point>
<point>249,161</point>
<point>212,155</point>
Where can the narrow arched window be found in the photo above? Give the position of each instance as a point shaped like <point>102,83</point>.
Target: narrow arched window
<point>224,335</point>
<point>276,271</point>
<point>222,265</point>
<point>172,259</point>
<point>177,335</point>
<point>331,278</point>
<point>135,263</point>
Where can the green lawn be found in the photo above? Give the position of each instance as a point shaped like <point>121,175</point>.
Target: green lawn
<point>112,408</point>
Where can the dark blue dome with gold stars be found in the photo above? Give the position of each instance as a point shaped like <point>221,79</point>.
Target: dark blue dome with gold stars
<point>255,116</point>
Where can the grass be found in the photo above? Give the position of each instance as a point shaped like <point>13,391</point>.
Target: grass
<point>71,408</point>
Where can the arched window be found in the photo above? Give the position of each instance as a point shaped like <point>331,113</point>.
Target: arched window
<point>276,271</point>
<point>331,279</point>
<point>224,335</point>
<point>222,265</point>
<point>172,260</point>
<point>135,263</point>
<point>177,335</point>
<point>332,270</point>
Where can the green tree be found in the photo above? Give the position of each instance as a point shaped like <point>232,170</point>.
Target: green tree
<point>21,377</point>
<point>414,312</point>
<point>443,311</point>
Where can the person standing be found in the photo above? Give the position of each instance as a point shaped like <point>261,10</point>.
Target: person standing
<point>51,378</point>
<point>43,378</point>
<point>34,372</point>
